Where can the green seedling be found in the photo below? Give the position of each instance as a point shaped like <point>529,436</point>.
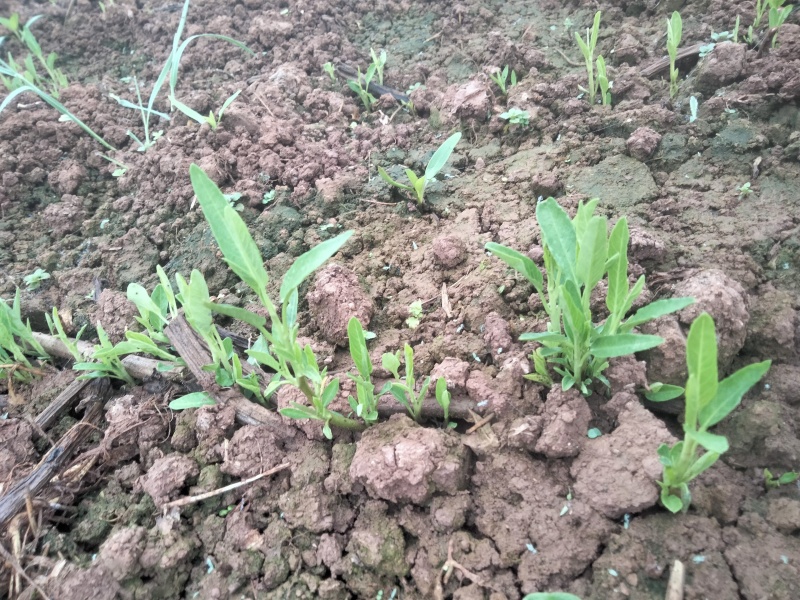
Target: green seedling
<point>17,343</point>
<point>156,310</point>
<point>277,348</point>
<point>602,81</point>
<point>435,164</point>
<point>405,389</point>
<point>708,401</point>
<point>777,16</point>
<point>761,7</point>
<point>213,121</point>
<point>365,404</point>
<point>379,60</point>
<point>414,314</point>
<point>516,116</point>
<point>771,482</point>
<point>35,279</point>
<point>674,33</point>
<point>57,329</point>
<point>501,79</point>
<point>330,70</point>
<point>587,47</point>
<point>54,81</point>
<point>145,112</point>
<point>104,361</point>
<point>360,85</point>
<point>744,190</point>
<point>121,169</point>
<point>443,398</point>
<point>578,255</point>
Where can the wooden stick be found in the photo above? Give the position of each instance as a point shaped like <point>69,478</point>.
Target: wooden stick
<point>61,403</point>
<point>192,499</point>
<point>14,499</point>
<point>676,582</point>
<point>663,63</point>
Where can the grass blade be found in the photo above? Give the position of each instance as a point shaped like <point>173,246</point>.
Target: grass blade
<point>440,157</point>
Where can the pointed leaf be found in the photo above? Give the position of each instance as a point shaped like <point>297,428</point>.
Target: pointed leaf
<point>358,347</point>
<point>656,309</point>
<point>592,252</point>
<point>701,361</point>
<point>519,262</point>
<point>310,262</point>
<point>193,400</point>
<point>623,343</point>
<point>730,392</point>
<point>710,441</point>
<point>440,157</point>
<point>558,234</point>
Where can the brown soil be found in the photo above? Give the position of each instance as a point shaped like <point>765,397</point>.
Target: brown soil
<point>526,503</point>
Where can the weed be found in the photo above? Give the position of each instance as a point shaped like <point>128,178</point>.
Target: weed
<point>674,33</point>
<point>435,164</point>
<point>57,329</point>
<point>708,401</point>
<point>516,116</point>
<point>501,79</point>
<point>414,314</point>
<point>443,398</point>
<point>145,115</point>
<point>121,169</point>
<point>602,81</point>
<point>777,16</point>
<point>54,81</point>
<point>405,389</point>
<point>17,341</point>
<point>578,254</point>
<point>379,61</point>
<point>330,70</point>
<point>770,481</point>
<point>365,404</point>
<point>213,121</point>
<point>35,279</point>
<point>360,85</point>
<point>278,348</point>
<point>744,190</point>
<point>587,49</point>
<point>104,361</point>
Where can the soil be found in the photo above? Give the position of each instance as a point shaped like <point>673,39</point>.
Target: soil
<point>527,502</point>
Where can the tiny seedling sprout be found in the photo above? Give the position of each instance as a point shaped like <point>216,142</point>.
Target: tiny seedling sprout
<point>435,164</point>
<point>587,47</point>
<point>330,70</point>
<point>500,77</point>
<point>744,190</point>
<point>35,279</point>
<point>516,116</point>
<point>674,33</point>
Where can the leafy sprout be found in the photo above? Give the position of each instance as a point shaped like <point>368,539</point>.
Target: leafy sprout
<point>435,164</point>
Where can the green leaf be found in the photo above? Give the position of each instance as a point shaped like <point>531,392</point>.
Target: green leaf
<point>440,157</point>
<point>592,252</point>
<point>623,343</point>
<point>391,363</point>
<point>701,362</point>
<point>662,392</point>
<point>519,262</point>
<point>230,231</point>
<point>238,313</point>
<point>329,393</point>
<point>701,464</point>
<point>542,337</point>
<point>385,176</point>
<point>664,455</point>
<point>558,234</point>
<point>730,392</point>
<point>358,347</point>
<point>656,309</point>
<point>672,503</point>
<point>188,111</point>
<point>710,441</point>
<point>310,262</point>
<point>298,412</point>
<point>139,296</point>
<point>193,400</point>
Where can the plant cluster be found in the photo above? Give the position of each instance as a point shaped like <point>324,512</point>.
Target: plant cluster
<point>777,14</point>
<point>52,81</point>
<point>516,116</point>
<point>595,68</point>
<point>435,164</point>
<point>360,85</point>
<point>708,401</point>
<point>500,77</point>
<point>16,344</point>
<point>578,255</point>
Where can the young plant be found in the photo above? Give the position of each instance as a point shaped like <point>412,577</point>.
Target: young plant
<point>744,190</point>
<point>516,116</point>
<point>674,33</point>
<point>777,16</point>
<point>379,60</point>
<point>708,401</point>
<point>365,404</point>
<point>435,164</point>
<point>55,80</point>
<point>149,140</point>
<point>414,314</point>
<point>771,482</point>
<point>578,255</point>
<point>278,348</point>
<point>35,279</point>
<point>121,169</point>
<point>405,389</point>
<point>330,70</point>
<point>602,81</point>
<point>443,398</point>
<point>104,362</point>
<point>501,79</point>
<point>587,49</point>
<point>16,342</point>
<point>360,85</point>
<point>213,121</point>
<point>57,330</point>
